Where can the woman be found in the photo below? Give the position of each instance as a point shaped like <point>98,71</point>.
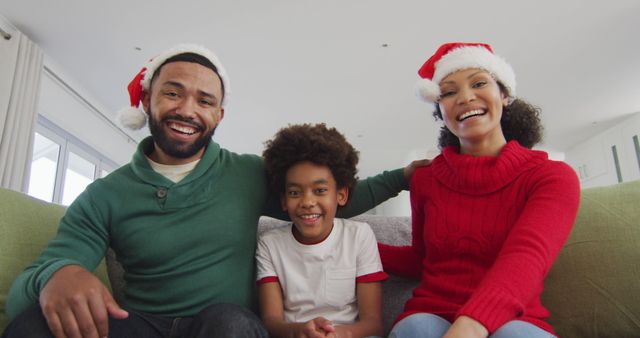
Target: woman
<point>489,215</point>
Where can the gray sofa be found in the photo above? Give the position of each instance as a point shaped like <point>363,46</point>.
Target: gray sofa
<point>593,289</point>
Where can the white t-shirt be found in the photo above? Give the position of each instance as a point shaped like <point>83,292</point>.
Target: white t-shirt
<point>320,279</point>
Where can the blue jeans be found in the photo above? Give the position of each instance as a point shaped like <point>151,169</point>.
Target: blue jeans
<point>426,325</point>
<point>218,320</point>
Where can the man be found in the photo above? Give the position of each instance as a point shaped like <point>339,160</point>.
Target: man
<point>181,217</point>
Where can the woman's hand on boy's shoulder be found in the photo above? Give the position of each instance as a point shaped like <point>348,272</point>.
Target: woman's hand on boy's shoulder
<point>411,168</point>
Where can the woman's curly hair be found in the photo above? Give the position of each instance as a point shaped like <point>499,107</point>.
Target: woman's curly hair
<point>314,143</point>
<point>520,121</point>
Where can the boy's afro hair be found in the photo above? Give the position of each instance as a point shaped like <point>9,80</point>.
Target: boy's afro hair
<point>314,143</point>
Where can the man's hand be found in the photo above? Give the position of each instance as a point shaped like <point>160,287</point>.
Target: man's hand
<point>408,170</point>
<point>466,327</point>
<point>316,328</point>
<point>75,303</point>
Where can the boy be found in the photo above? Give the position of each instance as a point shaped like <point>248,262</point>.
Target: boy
<point>320,271</point>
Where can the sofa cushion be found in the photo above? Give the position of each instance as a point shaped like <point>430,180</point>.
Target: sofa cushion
<point>593,288</point>
<point>26,225</point>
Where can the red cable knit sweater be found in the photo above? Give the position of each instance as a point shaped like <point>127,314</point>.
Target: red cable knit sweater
<point>486,231</point>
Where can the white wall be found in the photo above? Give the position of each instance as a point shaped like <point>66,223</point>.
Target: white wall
<point>64,108</point>
<point>593,158</point>
<point>629,161</point>
<point>379,160</point>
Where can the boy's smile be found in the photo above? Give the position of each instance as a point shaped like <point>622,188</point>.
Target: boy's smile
<point>311,198</point>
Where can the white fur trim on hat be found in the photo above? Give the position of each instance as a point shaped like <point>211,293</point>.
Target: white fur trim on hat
<point>465,58</point>
<point>132,118</point>
<point>427,90</point>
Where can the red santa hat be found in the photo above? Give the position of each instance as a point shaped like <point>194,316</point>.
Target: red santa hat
<point>134,117</point>
<point>455,56</point>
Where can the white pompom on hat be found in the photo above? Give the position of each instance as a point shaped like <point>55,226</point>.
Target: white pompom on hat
<point>134,117</point>
<point>455,56</point>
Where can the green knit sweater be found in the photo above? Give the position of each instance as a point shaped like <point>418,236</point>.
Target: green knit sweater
<point>182,245</point>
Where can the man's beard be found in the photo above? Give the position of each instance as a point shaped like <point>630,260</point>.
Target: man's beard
<point>172,148</point>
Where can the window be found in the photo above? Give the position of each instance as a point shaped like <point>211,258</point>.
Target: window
<point>80,172</point>
<point>62,166</point>
<point>43,167</point>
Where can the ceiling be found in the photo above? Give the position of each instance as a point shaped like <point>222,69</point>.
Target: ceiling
<point>353,64</point>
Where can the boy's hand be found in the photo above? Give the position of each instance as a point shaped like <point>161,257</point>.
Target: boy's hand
<point>75,303</point>
<point>340,332</point>
<point>316,328</point>
<point>408,170</point>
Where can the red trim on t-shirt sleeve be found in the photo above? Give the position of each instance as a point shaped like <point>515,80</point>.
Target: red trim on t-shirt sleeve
<point>268,279</point>
<point>372,277</point>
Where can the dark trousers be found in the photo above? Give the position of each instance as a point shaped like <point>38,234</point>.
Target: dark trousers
<point>219,320</point>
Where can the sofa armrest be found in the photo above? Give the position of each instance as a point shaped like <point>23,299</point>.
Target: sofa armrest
<point>592,289</point>
<point>26,226</point>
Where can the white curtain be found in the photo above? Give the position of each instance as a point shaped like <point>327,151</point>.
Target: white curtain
<point>20,70</point>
